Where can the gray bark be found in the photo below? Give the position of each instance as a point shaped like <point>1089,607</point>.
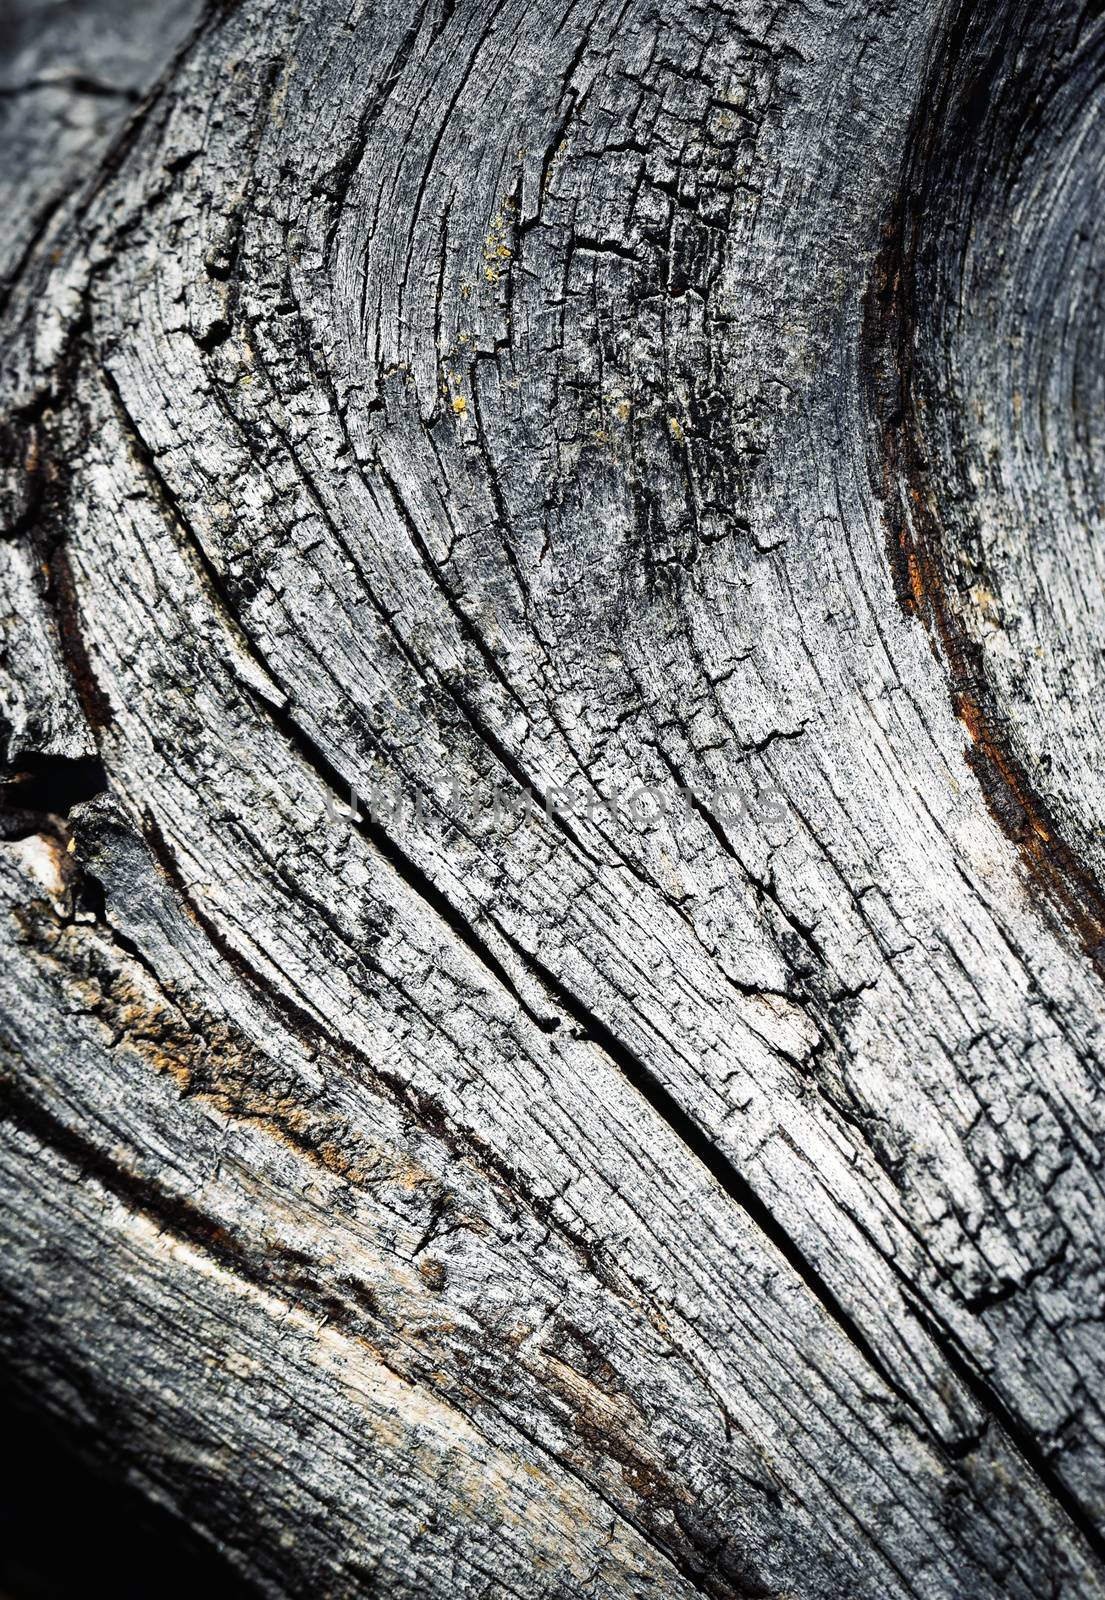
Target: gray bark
<point>487,398</point>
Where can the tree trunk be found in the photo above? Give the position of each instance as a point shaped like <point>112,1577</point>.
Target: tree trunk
<point>552,1023</point>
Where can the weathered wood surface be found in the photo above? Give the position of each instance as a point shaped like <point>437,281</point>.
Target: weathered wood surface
<point>497,396</point>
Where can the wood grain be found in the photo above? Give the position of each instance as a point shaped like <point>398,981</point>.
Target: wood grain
<point>566,399</point>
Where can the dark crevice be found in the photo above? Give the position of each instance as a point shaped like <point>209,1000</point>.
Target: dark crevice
<point>47,787</point>
<point>720,1168</point>
<point>218,333</point>
<point>991,1405</point>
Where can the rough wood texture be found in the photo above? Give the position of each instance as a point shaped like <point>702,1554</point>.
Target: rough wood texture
<point>558,396</point>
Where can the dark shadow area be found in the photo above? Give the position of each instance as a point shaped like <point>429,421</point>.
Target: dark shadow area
<point>68,1530</point>
<point>44,787</point>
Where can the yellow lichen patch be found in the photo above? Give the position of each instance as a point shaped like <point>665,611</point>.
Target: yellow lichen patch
<point>496,249</point>
<point>676,429</point>
<point>460,405</point>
